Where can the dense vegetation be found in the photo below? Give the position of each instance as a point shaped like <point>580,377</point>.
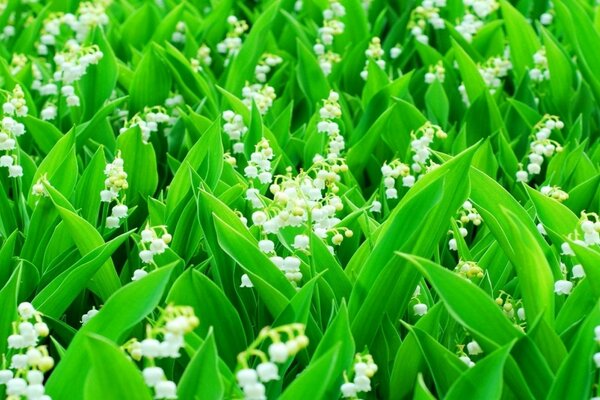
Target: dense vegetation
<point>312,199</point>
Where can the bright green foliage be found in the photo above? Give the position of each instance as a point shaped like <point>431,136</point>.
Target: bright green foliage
<point>298,199</point>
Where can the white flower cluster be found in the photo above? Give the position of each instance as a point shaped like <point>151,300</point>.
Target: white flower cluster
<point>473,349</point>
<point>596,356</point>
<point>262,95</point>
<point>38,189</point>
<point>364,368</point>
<point>235,129</point>
<point>29,361</point>
<point>85,318</point>
<point>564,286</point>
<point>332,26</point>
<point>232,43</point>
<point>554,192</point>
<point>419,308</point>
<point>540,72</point>
<point>115,182</point>
<point>11,129</point>
<point>202,59</point>
<point>148,121</point>
<point>541,146</point>
<point>264,66</point>
<point>436,72</point>
<point>329,113</point>
<point>391,172</point>
<point>178,36</point>
<point>491,71</point>
<point>252,380</point>
<point>72,63</point>
<point>467,214</point>
<point>15,104</point>
<point>591,228</point>
<point>482,8</point>
<point>508,306</point>
<point>469,270</point>
<point>476,11</point>
<point>307,199</point>
<point>395,51</point>
<point>163,339</point>
<point>172,104</point>
<point>17,63</point>
<point>151,245</point>
<point>468,26</point>
<point>70,66</point>
<point>428,13</point>
<point>9,30</point>
<point>421,141</point>
<point>548,17</point>
<point>88,15</point>
<point>374,52</point>
<point>259,165</point>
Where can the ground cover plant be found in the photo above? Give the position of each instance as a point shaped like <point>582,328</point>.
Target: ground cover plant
<point>311,199</point>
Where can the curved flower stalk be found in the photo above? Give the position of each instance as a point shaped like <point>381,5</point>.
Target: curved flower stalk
<point>10,129</point>
<point>29,360</point>
<point>363,369</point>
<point>286,342</point>
<point>467,214</point>
<point>421,160</point>
<point>114,184</point>
<point>154,241</point>
<point>232,44</point>
<point>148,121</point>
<point>164,339</point>
<point>541,146</point>
<point>332,26</point>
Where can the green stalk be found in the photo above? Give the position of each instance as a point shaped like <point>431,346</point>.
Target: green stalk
<point>103,220</point>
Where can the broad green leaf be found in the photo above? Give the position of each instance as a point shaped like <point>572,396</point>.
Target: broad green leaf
<point>319,377</point>
<point>214,310</point>
<point>139,161</point>
<point>119,314</point>
<point>122,378</point>
<point>484,380</point>
<point>151,81</point>
<point>467,303</point>
<point>201,378</point>
<point>55,298</point>
<point>514,230</point>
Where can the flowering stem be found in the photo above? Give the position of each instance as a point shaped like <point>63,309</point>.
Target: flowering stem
<point>20,199</point>
<point>103,219</point>
<point>127,245</point>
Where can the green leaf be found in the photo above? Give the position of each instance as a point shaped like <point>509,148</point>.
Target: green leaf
<point>523,40</point>
<point>484,380</point>
<point>55,298</point>
<point>151,81</point>
<point>61,158</point>
<point>122,378</point>
<point>435,197</point>
<point>201,378</point>
<point>318,378</point>
<point>515,231</point>
<point>241,68</point>
<point>99,80</point>
<point>467,303</point>
<point>215,312</point>
<point>139,162</point>
<point>119,314</point>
